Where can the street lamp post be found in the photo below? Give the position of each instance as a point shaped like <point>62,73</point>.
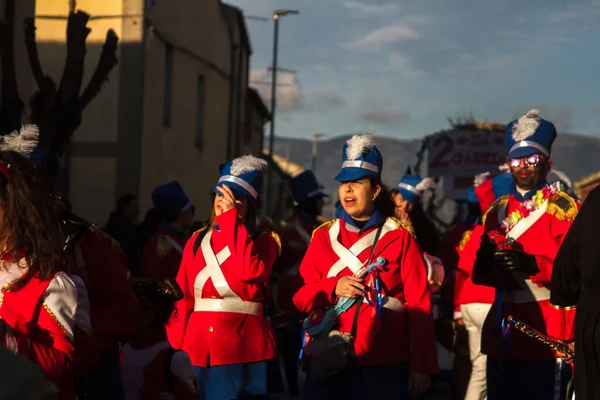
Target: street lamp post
<point>276,15</point>
<point>315,141</point>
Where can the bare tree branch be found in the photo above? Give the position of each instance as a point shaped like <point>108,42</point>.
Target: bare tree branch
<point>108,60</point>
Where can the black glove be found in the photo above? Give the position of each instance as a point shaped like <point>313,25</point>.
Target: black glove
<point>509,261</point>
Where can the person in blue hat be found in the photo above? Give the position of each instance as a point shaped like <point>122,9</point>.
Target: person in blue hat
<point>395,349</point>
<point>221,321</point>
<point>409,209</point>
<point>522,232</point>
<point>295,235</point>
<point>162,253</point>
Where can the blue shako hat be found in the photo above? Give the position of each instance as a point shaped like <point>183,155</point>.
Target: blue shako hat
<point>244,176</point>
<point>170,200</point>
<point>360,159</point>
<point>304,187</point>
<point>411,187</point>
<point>529,135</point>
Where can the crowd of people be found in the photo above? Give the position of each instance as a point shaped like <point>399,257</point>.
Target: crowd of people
<point>360,303</point>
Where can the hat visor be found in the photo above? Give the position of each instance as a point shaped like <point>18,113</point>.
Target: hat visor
<point>526,151</point>
<point>350,174</point>
<point>409,196</point>
<point>238,191</point>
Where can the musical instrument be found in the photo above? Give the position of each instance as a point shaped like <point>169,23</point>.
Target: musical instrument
<point>535,334</point>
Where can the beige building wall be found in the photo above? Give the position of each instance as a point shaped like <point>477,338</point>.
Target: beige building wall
<point>123,144</point>
<point>93,177</point>
<point>200,45</point>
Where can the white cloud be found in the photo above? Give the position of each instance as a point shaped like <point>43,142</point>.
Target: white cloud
<point>376,9</point>
<point>382,37</point>
<point>384,117</point>
<point>289,93</point>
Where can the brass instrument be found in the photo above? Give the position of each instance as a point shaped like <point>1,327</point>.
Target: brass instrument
<point>535,334</point>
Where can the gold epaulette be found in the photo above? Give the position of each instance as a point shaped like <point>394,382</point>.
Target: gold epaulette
<point>402,225</point>
<point>324,225</point>
<point>163,246</point>
<point>501,201</point>
<point>464,240</point>
<point>116,246</point>
<point>562,206</point>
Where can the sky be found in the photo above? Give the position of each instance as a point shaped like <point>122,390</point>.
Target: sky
<point>400,68</point>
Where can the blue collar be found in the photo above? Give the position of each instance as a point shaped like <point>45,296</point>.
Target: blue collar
<point>529,195</point>
<point>376,219</point>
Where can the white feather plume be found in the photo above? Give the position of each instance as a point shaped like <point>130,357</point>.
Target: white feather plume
<point>426,183</point>
<point>23,141</point>
<point>526,125</point>
<point>562,176</point>
<point>247,163</point>
<point>480,178</point>
<point>357,145</point>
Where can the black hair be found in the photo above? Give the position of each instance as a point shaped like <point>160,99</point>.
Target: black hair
<point>124,201</point>
<point>384,202</point>
<point>160,297</point>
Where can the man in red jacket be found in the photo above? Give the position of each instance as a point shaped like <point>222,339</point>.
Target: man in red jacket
<point>521,236</point>
<point>162,254</point>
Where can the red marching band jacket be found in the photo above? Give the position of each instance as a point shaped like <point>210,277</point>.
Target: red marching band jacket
<point>40,317</point>
<point>407,333</point>
<point>465,291</point>
<point>162,255</point>
<point>221,319</point>
<point>528,297</point>
<point>114,310</point>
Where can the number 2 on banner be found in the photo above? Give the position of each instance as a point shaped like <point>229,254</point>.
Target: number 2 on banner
<point>447,144</point>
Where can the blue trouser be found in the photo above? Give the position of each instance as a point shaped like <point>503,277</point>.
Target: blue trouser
<point>362,383</point>
<point>526,379</point>
<point>103,381</point>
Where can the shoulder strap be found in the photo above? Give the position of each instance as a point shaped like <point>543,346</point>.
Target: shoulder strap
<point>362,298</point>
<point>167,370</point>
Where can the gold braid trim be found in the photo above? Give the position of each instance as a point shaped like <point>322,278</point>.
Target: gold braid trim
<point>502,201</point>
<point>325,225</point>
<point>70,336</point>
<point>568,308</point>
<point>562,206</point>
<point>402,225</point>
<point>464,240</point>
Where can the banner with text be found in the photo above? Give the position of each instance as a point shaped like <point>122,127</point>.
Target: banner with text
<point>458,155</point>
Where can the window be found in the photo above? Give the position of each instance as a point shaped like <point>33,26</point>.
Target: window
<point>200,106</point>
<point>168,86</point>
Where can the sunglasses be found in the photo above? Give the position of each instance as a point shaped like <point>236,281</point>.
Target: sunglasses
<point>531,161</point>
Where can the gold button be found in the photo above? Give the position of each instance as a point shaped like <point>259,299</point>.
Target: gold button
<point>210,329</point>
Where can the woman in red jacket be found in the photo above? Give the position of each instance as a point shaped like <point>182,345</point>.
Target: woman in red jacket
<point>38,302</point>
<point>394,341</point>
<point>224,275</point>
